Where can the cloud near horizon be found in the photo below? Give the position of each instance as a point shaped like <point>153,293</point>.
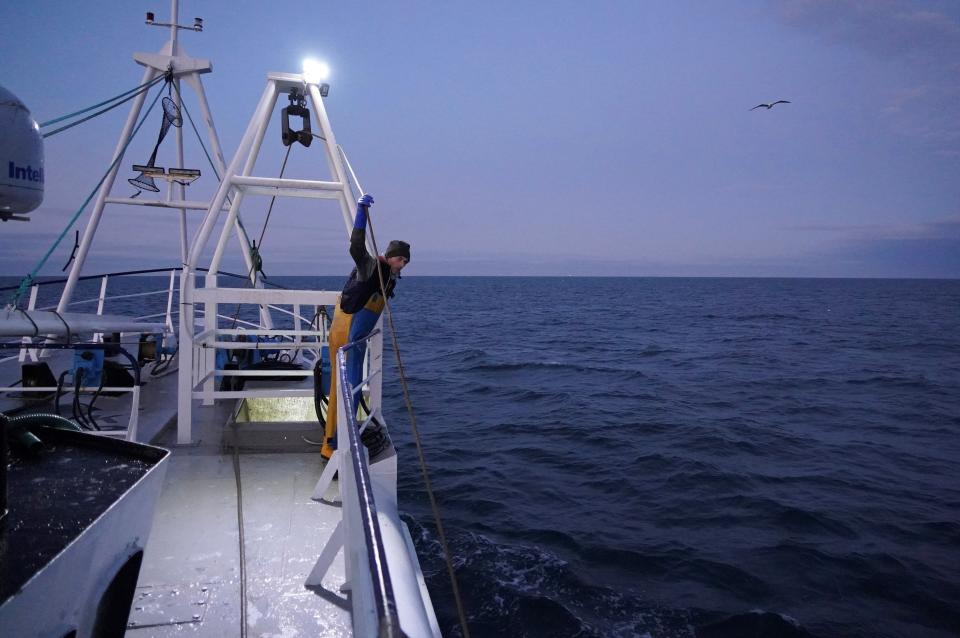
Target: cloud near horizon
<point>875,250</point>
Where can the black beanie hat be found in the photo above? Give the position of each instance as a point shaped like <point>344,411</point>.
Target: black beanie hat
<point>397,248</point>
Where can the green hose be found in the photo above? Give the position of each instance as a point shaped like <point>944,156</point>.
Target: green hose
<point>48,420</point>
<point>19,429</point>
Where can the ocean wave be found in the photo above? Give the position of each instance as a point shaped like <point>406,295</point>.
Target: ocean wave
<point>890,380</point>
<point>552,365</point>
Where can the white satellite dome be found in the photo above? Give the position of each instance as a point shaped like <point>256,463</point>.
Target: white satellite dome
<point>21,158</point>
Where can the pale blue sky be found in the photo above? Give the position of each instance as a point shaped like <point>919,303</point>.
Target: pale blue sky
<point>607,137</point>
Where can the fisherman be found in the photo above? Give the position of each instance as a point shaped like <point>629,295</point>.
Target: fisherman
<point>357,312</point>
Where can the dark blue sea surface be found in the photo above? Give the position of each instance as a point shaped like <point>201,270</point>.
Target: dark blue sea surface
<point>682,457</point>
<point>669,457</point>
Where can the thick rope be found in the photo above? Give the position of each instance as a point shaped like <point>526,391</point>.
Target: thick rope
<point>416,437</point>
<point>135,90</point>
<point>273,199</point>
<point>100,112</point>
<point>30,278</point>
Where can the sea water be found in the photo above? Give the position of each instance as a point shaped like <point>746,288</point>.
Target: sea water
<point>672,457</point>
<point>668,457</point>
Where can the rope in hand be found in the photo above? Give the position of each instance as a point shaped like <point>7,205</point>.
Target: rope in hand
<point>416,437</point>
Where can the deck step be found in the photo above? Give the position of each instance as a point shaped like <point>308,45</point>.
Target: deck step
<point>258,437</point>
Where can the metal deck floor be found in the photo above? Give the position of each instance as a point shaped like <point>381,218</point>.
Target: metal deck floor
<point>190,578</point>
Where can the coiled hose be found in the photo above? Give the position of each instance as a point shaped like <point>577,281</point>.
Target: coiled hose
<point>19,429</point>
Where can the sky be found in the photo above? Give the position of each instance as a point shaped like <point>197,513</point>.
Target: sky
<point>536,138</point>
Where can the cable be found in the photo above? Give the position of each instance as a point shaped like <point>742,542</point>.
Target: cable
<point>243,551</point>
<point>93,421</point>
<point>255,250</point>
<point>196,132</point>
<point>73,253</point>
<point>90,108</point>
<point>25,282</point>
<point>194,126</point>
<point>145,87</point>
<point>65,324</point>
<point>162,364</point>
<point>48,282</point>
<point>413,420</point>
<point>36,328</point>
<point>416,438</point>
<point>56,400</point>
<point>77,408</point>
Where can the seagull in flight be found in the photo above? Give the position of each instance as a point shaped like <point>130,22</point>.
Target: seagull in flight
<point>771,105</point>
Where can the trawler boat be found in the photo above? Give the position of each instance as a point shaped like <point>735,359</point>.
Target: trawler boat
<point>252,532</point>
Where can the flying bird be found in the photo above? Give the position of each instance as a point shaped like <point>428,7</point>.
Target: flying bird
<point>771,105</point>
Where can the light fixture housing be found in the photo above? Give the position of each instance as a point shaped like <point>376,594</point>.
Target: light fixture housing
<point>314,71</point>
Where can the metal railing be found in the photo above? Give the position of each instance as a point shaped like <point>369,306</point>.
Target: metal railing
<point>203,332</point>
<point>101,300</point>
<point>358,474</point>
<point>387,591</point>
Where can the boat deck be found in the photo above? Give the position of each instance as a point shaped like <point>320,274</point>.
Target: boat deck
<point>191,575</point>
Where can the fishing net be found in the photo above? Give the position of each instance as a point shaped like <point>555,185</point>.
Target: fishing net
<point>171,117</point>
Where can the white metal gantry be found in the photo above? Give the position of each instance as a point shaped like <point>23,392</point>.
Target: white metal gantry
<point>172,59</point>
<point>197,369</point>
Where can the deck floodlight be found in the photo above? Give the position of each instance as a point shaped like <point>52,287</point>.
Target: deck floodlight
<point>198,24</point>
<point>314,71</point>
<point>151,171</point>
<point>183,176</point>
<point>324,90</point>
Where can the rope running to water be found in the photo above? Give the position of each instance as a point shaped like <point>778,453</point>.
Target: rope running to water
<point>416,438</point>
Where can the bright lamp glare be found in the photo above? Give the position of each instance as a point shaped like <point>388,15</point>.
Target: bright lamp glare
<point>314,71</point>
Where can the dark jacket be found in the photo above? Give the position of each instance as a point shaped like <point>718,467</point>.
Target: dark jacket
<point>363,282</point>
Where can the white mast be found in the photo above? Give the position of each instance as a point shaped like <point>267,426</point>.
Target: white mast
<point>171,59</point>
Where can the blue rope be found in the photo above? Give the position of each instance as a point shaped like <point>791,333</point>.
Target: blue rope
<point>90,117</point>
<point>135,90</point>
<point>29,279</point>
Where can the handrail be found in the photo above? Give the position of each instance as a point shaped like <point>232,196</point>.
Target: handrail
<point>112,298</point>
<point>122,273</point>
<point>155,315</point>
<point>387,615</point>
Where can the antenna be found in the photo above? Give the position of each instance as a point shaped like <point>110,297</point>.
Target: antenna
<point>196,26</point>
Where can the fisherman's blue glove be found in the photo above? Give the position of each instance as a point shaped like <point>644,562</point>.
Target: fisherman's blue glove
<point>363,206</point>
